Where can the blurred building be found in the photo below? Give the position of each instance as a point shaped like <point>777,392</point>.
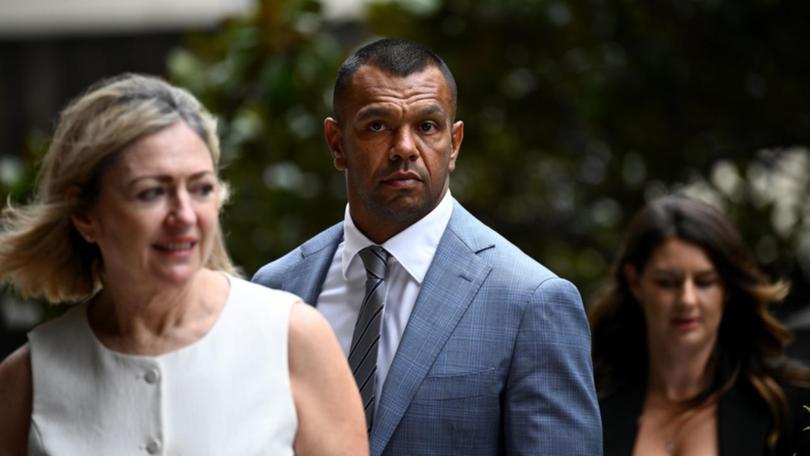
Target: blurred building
<point>50,50</point>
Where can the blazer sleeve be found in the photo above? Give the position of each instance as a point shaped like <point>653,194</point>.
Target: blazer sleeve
<point>550,404</point>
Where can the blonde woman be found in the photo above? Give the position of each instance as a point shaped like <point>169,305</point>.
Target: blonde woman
<point>167,350</point>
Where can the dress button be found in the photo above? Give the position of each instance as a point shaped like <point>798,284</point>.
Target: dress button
<point>152,375</point>
<point>153,447</point>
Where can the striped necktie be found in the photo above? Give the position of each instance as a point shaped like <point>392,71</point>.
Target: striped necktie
<point>366,337</point>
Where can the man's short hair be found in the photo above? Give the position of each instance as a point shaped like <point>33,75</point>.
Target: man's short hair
<point>397,56</point>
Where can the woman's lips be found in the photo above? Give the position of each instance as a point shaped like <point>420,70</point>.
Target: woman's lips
<point>686,324</point>
<point>179,247</point>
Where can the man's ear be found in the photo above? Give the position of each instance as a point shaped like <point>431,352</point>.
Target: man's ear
<point>456,136</point>
<point>334,137</point>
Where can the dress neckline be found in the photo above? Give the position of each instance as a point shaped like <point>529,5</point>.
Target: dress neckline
<point>210,334</point>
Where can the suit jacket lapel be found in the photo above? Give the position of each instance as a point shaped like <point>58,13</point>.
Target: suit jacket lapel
<point>454,278</point>
<point>620,414</point>
<point>742,425</point>
<point>305,278</point>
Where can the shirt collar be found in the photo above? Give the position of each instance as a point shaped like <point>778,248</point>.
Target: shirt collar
<point>413,248</point>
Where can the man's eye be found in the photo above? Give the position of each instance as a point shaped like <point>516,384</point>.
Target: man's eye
<point>376,126</point>
<point>150,194</point>
<point>427,127</point>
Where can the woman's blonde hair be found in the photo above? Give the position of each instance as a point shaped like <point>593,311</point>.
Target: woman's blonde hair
<point>41,253</point>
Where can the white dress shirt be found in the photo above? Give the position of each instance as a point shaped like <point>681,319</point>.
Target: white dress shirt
<point>412,251</point>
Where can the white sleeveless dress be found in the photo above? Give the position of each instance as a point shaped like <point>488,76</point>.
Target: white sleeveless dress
<point>226,394</point>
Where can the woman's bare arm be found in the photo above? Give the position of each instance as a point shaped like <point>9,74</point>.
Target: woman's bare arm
<point>16,397</point>
<point>330,415</point>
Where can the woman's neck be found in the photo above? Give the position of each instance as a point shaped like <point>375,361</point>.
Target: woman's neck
<point>678,375</point>
<point>157,320</point>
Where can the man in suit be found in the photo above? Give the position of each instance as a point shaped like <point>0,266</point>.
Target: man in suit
<point>467,345</point>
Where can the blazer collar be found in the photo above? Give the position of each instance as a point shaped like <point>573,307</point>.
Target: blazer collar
<point>743,422</point>
<point>305,278</point>
<point>413,248</point>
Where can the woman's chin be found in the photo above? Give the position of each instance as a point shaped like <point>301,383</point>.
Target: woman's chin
<point>695,339</point>
<point>178,275</point>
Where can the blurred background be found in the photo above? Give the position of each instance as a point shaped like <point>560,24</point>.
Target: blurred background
<point>576,112</point>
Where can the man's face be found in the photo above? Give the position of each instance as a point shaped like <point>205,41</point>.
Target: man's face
<point>397,143</point>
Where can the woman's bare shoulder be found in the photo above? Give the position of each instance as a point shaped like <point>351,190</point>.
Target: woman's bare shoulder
<point>16,367</point>
<point>310,336</point>
<point>16,397</point>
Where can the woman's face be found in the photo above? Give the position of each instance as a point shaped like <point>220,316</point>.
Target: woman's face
<point>157,210</point>
<point>682,296</point>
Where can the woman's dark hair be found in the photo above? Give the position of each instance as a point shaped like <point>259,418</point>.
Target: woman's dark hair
<point>751,340</point>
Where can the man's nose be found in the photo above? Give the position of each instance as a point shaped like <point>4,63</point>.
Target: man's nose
<point>404,145</point>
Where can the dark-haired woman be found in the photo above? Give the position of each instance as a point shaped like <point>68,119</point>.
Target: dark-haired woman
<point>688,360</point>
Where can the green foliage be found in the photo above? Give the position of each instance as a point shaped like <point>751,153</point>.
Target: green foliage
<point>268,78</point>
<point>576,112</point>
<point>17,173</point>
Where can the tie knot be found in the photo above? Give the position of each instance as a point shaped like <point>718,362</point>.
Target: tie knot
<point>375,259</point>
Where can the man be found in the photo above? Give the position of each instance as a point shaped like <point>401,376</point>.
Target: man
<point>460,343</point>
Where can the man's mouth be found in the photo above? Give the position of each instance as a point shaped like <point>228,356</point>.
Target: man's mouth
<point>403,179</point>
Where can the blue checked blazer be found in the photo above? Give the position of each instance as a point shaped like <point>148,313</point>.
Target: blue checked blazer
<point>495,358</point>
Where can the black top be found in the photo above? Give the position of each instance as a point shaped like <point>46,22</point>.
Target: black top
<point>743,422</point>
